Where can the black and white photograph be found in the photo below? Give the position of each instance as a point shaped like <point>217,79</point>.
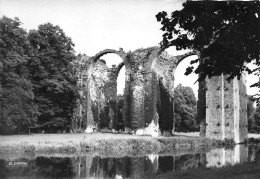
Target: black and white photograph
<point>129,89</point>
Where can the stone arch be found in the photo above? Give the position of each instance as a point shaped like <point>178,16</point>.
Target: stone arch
<point>119,52</point>
<point>119,67</point>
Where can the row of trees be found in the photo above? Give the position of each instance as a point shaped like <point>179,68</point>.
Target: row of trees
<point>36,88</point>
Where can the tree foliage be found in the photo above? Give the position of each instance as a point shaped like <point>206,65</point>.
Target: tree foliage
<point>225,33</point>
<point>254,121</point>
<point>185,109</point>
<point>18,110</point>
<point>53,88</point>
<point>253,116</point>
<point>36,88</point>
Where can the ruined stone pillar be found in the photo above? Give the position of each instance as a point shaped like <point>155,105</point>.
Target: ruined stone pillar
<point>87,114</point>
<point>201,107</point>
<point>141,93</point>
<point>111,96</point>
<point>137,101</point>
<point>225,115</point>
<point>151,96</point>
<point>166,111</point>
<point>127,106</point>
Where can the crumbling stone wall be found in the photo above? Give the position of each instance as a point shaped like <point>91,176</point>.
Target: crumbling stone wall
<point>97,107</point>
<point>225,113</point>
<point>111,98</point>
<point>149,96</point>
<point>150,89</point>
<point>94,95</point>
<point>77,70</point>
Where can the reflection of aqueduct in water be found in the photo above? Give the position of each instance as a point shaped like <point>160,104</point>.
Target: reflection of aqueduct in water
<point>140,166</point>
<point>148,96</point>
<point>159,166</point>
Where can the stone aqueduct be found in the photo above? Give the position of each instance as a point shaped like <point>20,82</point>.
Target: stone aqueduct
<point>148,96</point>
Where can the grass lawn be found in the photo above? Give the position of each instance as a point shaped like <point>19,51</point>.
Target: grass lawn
<point>98,143</point>
<point>107,144</point>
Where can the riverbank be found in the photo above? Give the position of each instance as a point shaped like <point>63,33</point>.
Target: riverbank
<point>102,144</point>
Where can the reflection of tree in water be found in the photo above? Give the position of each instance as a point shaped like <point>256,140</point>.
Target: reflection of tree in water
<point>54,167</point>
<point>254,153</point>
<point>4,169</point>
<point>257,156</point>
<point>110,167</point>
<point>165,164</point>
<point>143,167</point>
<point>15,171</point>
<point>185,162</point>
<point>178,163</point>
<point>126,167</point>
<point>103,167</point>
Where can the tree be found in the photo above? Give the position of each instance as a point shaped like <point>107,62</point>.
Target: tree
<point>18,111</point>
<point>255,121</point>
<point>253,116</point>
<point>185,109</point>
<point>226,34</point>
<point>54,89</point>
<point>250,114</point>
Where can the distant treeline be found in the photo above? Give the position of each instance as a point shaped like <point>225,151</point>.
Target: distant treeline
<point>36,90</point>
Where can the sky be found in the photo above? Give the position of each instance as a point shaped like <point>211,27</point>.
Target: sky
<point>95,25</point>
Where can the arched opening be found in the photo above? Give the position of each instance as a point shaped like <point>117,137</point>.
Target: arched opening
<point>190,80</point>
<point>186,97</point>
<point>114,61</point>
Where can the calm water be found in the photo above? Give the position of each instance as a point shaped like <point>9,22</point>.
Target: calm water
<point>149,166</point>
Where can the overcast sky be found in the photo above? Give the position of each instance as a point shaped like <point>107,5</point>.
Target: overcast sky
<point>95,25</point>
